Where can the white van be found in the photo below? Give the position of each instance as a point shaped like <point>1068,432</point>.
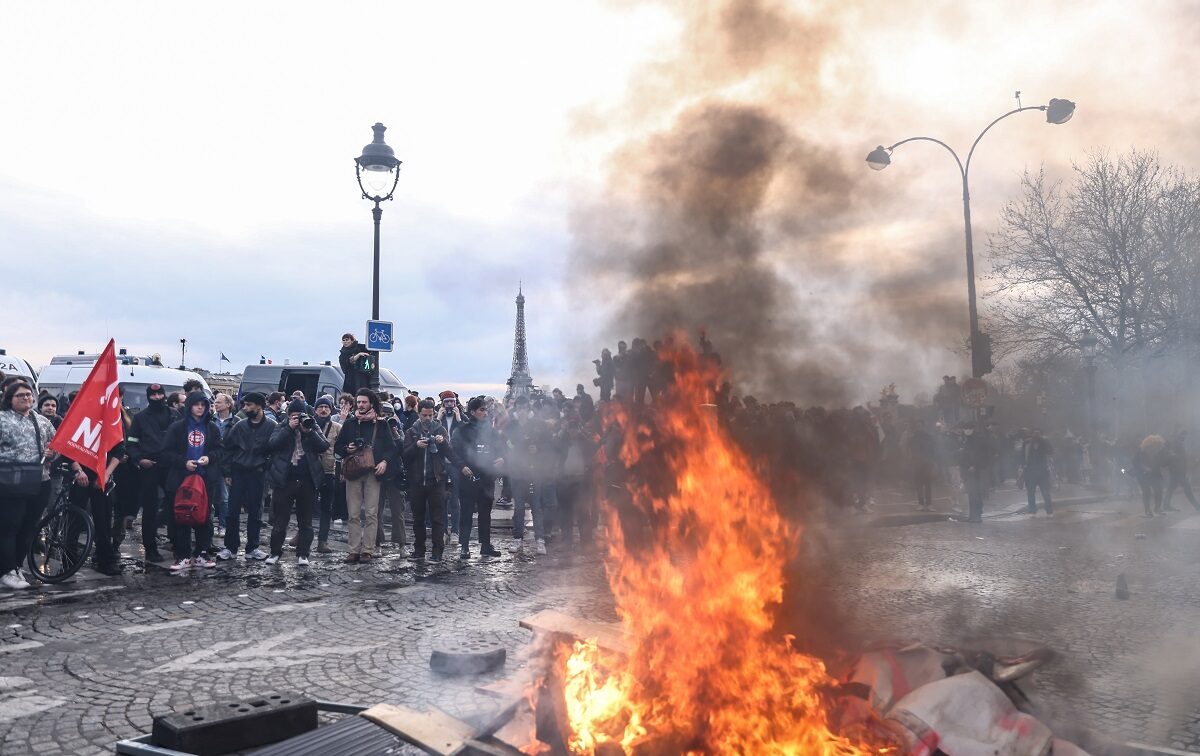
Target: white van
<point>13,365</point>
<point>66,373</point>
<point>313,380</point>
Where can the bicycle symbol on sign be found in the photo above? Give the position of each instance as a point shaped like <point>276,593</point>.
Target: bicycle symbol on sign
<point>379,336</point>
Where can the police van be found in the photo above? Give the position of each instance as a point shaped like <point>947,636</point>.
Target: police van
<point>67,372</point>
<point>313,380</point>
<point>13,365</point>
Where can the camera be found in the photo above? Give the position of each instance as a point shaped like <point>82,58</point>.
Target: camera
<point>307,423</point>
<point>432,448</point>
<point>359,442</point>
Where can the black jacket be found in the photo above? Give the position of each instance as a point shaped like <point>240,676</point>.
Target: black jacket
<point>477,446</point>
<point>428,465</point>
<point>175,454</point>
<point>283,443</point>
<point>355,378</point>
<point>246,445</point>
<point>384,448</point>
<point>147,433</point>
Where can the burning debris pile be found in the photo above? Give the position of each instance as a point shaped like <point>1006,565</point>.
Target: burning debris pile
<point>697,554</point>
<point>696,559</point>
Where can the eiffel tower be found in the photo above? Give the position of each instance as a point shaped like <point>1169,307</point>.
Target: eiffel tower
<point>520,383</point>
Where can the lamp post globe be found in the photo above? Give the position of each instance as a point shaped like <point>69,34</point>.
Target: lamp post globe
<point>1059,111</point>
<point>377,171</point>
<point>879,158</point>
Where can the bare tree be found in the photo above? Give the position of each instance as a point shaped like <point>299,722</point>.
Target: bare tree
<point>1104,255</point>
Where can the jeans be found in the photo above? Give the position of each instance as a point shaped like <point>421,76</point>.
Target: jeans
<point>923,477</point>
<point>545,499</point>
<point>100,505</point>
<point>575,509</point>
<point>221,503</point>
<point>394,496</point>
<point>325,496</point>
<point>19,517</point>
<point>453,496</point>
<point>476,498</point>
<point>245,493</point>
<point>428,499</point>
<point>1180,481</point>
<point>536,495</point>
<point>181,535</point>
<point>150,481</point>
<point>362,500</point>
<point>298,489</point>
<point>974,485</point>
<point>1031,486</point>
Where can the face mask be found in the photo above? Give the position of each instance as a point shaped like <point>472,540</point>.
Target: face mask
<point>156,403</point>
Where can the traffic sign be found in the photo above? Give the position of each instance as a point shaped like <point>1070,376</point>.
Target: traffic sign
<point>975,391</point>
<point>379,335</point>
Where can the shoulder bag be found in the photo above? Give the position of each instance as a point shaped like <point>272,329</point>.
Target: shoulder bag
<point>361,462</point>
<point>23,478</point>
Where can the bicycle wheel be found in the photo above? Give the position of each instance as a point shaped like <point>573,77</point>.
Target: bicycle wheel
<point>62,544</point>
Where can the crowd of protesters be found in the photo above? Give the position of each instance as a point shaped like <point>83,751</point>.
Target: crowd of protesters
<point>377,462</point>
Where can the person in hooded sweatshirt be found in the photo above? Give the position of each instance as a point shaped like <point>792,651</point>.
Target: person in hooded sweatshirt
<point>145,445</point>
<point>192,445</point>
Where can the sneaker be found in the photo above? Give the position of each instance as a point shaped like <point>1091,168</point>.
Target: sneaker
<point>489,550</point>
<point>302,561</point>
<point>258,554</point>
<point>337,522</point>
<point>464,551</point>
<point>541,546</point>
<point>224,555</point>
<point>204,561</point>
<point>180,564</point>
<point>220,532</point>
<point>273,559</point>
<point>12,581</point>
<point>436,557</point>
<point>323,548</point>
<point>515,546</point>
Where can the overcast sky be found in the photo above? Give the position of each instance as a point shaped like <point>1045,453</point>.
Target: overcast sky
<point>175,169</point>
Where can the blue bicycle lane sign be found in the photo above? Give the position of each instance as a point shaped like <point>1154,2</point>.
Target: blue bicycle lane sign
<point>379,335</point>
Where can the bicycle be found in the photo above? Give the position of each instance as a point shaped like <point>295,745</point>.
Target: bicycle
<point>64,538</point>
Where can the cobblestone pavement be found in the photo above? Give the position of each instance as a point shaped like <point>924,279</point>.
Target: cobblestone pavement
<point>85,664</point>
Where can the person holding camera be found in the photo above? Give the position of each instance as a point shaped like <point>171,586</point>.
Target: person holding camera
<point>452,417</point>
<point>295,474</point>
<point>478,445</point>
<point>365,446</point>
<point>427,451</point>
<point>326,491</point>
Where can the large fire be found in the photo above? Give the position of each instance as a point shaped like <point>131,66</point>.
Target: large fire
<point>696,559</point>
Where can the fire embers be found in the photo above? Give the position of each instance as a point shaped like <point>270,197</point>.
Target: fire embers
<point>696,557</point>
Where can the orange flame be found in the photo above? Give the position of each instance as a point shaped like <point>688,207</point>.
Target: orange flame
<point>696,557</point>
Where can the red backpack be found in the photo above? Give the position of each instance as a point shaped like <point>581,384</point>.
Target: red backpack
<point>191,502</point>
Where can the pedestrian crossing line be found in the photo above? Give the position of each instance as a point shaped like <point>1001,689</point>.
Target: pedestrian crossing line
<point>139,629</point>
<point>8,648</point>
<point>276,608</point>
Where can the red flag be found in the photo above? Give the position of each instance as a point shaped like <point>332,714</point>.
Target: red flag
<point>93,423</point>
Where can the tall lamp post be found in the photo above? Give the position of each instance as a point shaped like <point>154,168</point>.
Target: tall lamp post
<point>378,172</point>
<point>1057,112</point>
<point>1088,346</point>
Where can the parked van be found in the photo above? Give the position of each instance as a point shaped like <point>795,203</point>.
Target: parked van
<point>66,373</point>
<point>13,365</point>
<point>313,380</point>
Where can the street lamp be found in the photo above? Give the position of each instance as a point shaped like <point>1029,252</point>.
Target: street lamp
<point>1057,112</point>
<point>1088,346</point>
<point>378,172</point>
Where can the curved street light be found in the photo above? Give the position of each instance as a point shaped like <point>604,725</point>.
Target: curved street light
<point>1057,112</point>
<point>377,167</point>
